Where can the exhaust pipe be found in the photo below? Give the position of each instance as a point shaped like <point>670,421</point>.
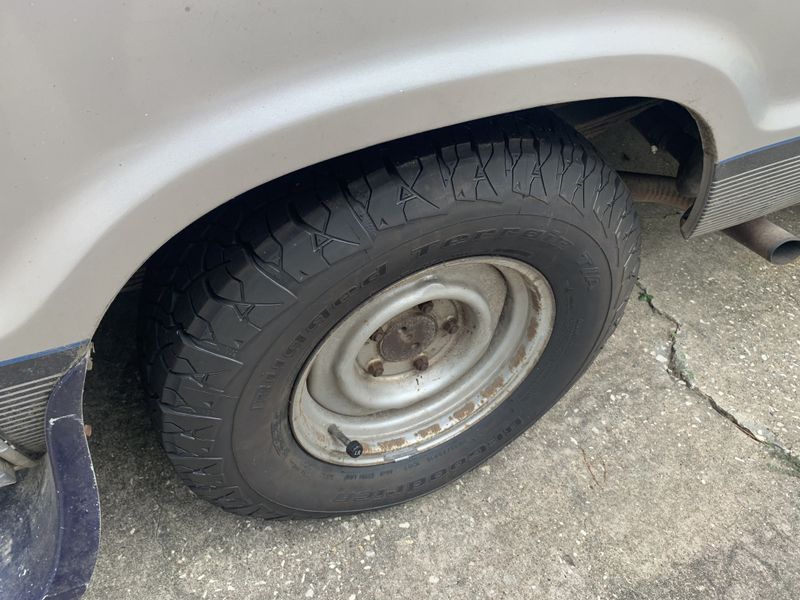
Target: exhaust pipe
<point>655,189</point>
<point>767,240</point>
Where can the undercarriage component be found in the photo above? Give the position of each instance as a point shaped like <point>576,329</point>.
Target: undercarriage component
<point>593,118</point>
<point>11,459</point>
<point>7,474</point>
<point>655,189</point>
<point>670,128</point>
<point>768,240</point>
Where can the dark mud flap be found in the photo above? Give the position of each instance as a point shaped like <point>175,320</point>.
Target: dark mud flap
<point>50,519</point>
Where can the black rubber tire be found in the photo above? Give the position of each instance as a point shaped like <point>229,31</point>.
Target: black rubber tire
<point>235,304</point>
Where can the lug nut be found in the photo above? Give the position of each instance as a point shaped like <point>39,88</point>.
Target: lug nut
<point>375,368</point>
<point>450,325</point>
<point>421,363</point>
<point>426,307</point>
<point>377,336</point>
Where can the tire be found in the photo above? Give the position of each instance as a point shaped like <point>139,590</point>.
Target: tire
<point>235,305</point>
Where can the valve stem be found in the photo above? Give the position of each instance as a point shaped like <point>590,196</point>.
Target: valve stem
<point>353,448</point>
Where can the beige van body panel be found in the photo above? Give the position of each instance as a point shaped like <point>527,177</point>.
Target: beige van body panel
<point>122,122</point>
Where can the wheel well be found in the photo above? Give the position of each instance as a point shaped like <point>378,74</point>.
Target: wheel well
<point>645,136</point>
<point>634,135</point>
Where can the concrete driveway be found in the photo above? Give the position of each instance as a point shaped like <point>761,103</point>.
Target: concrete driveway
<point>672,470</point>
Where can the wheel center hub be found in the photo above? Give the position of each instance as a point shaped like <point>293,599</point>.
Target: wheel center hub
<point>407,336</point>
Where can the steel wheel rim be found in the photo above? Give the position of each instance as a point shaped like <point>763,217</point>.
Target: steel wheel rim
<point>481,323</point>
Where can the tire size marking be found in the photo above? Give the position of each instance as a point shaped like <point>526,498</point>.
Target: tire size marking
<point>591,274</point>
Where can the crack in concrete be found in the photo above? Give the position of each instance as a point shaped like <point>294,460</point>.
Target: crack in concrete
<point>678,369</point>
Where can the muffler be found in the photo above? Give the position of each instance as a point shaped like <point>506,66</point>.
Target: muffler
<point>767,240</point>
